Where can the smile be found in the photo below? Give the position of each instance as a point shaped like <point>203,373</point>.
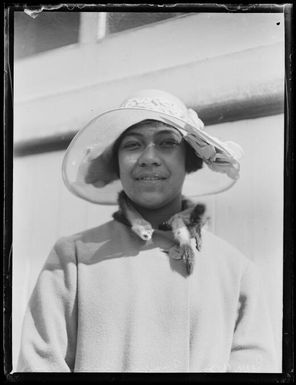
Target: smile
<point>150,178</point>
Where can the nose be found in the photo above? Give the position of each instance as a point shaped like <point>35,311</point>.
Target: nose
<point>149,156</point>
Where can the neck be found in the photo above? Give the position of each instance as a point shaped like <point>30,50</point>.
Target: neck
<point>157,216</point>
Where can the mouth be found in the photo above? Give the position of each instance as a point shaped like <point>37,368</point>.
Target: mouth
<point>150,178</point>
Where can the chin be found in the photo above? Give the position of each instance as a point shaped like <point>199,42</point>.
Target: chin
<point>149,201</point>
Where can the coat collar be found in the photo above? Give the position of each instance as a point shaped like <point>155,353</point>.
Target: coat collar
<point>184,225</point>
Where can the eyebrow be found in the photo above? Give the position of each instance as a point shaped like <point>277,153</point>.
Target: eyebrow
<point>161,132</point>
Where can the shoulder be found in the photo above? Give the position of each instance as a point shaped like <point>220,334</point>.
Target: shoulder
<point>222,253</point>
<point>81,245</point>
<point>96,234</point>
<point>228,266</point>
<point>69,251</point>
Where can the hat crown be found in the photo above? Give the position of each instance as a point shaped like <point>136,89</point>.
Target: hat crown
<point>159,101</point>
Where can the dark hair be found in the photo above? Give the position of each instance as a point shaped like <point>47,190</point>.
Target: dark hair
<point>192,161</point>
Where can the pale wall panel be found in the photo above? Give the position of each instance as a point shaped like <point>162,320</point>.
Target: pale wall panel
<point>171,43</point>
<point>203,58</point>
<point>249,215</point>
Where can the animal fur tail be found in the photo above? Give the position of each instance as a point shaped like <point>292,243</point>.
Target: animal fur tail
<point>138,224</point>
<point>188,257</point>
<point>196,222</point>
<point>182,235</point>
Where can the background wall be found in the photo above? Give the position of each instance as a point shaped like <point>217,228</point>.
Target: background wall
<point>226,66</point>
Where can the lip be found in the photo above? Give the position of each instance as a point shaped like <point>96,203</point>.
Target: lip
<point>150,177</point>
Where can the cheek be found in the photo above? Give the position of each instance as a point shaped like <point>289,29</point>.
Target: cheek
<point>125,165</point>
<point>177,165</point>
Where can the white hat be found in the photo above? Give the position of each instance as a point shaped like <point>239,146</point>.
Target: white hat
<point>91,149</point>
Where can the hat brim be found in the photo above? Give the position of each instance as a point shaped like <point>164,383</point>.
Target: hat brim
<point>103,130</point>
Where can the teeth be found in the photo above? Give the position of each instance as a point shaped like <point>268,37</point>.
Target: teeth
<point>151,178</point>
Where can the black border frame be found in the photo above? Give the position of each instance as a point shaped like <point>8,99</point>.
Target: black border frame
<point>287,375</point>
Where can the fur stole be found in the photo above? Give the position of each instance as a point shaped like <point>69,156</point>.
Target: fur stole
<point>184,225</point>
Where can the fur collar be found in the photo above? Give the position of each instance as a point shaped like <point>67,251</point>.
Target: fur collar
<point>185,225</point>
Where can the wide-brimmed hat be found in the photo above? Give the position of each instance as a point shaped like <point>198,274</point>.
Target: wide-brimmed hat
<point>88,169</point>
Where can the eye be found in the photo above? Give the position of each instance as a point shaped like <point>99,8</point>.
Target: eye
<point>169,143</point>
<point>131,145</point>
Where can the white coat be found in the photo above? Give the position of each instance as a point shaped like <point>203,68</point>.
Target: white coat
<point>107,301</point>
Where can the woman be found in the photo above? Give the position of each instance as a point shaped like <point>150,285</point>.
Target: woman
<point>151,290</point>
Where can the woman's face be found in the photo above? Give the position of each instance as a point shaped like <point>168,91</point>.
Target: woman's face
<point>151,160</point>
